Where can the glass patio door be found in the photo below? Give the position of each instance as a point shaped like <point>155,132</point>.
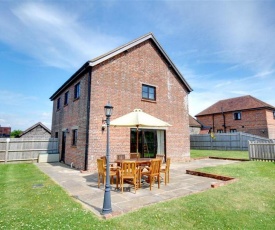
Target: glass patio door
<point>150,142</point>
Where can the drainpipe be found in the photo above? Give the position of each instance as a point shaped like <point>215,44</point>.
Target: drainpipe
<point>213,123</point>
<point>223,120</point>
<point>88,119</point>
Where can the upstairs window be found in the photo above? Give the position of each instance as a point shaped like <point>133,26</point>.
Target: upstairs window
<point>237,116</point>
<point>274,114</point>
<point>66,98</point>
<point>74,141</point>
<point>77,91</point>
<point>58,104</point>
<point>148,92</point>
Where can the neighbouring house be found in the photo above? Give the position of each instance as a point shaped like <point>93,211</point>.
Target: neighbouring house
<point>5,132</point>
<point>38,131</point>
<point>194,125</point>
<point>137,75</point>
<point>241,114</point>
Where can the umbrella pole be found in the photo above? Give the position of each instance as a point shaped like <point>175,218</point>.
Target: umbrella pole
<point>137,142</point>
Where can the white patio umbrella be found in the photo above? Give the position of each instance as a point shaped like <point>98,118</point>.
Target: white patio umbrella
<point>137,119</point>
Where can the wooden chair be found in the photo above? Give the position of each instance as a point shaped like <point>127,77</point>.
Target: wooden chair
<point>128,171</point>
<point>166,170</point>
<point>160,156</point>
<point>102,173</point>
<point>154,172</point>
<point>104,161</point>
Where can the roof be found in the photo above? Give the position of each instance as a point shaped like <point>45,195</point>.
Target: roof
<point>33,127</point>
<point>193,122</point>
<point>236,104</point>
<point>117,51</point>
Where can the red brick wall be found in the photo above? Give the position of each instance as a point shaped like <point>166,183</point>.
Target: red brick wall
<point>252,121</point>
<point>72,116</point>
<point>119,80</point>
<point>270,124</point>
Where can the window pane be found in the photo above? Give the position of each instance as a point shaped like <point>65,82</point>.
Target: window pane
<point>148,92</point>
<point>77,91</point>
<point>144,95</point>
<point>66,99</point>
<point>74,137</point>
<point>58,103</point>
<point>145,89</point>
<point>151,96</point>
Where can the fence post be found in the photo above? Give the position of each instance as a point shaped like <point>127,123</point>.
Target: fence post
<point>7,149</point>
<point>249,150</point>
<point>240,141</point>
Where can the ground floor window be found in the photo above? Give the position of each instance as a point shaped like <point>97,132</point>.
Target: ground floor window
<point>150,142</point>
<point>74,139</point>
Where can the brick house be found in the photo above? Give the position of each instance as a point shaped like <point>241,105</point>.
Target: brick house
<point>240,114</point>
<point>5,132</point>
<point>38,131</point>
<point>139,75</point>
<point>194,125</point>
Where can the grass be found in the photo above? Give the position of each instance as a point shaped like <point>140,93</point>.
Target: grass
<point>196,153</point>
<point>248,203</point>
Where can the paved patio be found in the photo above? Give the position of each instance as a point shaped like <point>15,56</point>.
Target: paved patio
<point>83,186</point>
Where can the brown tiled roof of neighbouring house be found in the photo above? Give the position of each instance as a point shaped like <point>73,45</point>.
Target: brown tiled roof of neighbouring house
<point>235,104</point>
<point>193,122</point>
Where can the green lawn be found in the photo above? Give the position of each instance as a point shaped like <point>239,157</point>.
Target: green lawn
<point>248,203</point>
<point>196,153</point>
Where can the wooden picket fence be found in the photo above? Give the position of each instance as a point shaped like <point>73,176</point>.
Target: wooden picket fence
<point>223,141</point>
<point>20,149</point>
<point>262,150</point>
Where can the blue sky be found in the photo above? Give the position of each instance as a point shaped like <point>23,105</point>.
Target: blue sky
<point>223,49</point>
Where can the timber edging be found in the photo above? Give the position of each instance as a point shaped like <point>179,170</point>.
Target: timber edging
<point>224,179</point>
<point>228,158</point>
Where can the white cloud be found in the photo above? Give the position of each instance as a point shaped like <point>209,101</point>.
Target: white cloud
<point>25,119</point>
<point>9,98</point>
<point>53,36</point>
<point>240,32</point>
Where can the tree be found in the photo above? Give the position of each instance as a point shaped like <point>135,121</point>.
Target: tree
<point>16,133</point>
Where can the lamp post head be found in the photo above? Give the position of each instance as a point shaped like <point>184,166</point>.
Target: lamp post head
<point>108,109</point>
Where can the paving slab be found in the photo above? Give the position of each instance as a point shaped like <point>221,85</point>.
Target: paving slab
<point>84,187</point>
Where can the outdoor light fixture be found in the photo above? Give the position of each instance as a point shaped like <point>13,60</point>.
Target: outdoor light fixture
<point>103,125</point>
<point>107,206</point>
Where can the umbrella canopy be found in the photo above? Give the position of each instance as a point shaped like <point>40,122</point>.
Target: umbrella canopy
<point>138,119</point>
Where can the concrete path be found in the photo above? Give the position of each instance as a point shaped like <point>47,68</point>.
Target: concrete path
<point>83,186</point>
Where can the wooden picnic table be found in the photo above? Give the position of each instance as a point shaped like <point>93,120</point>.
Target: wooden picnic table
<point>139,161</point>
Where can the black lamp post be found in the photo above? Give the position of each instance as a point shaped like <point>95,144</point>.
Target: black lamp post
<point>107,206</point>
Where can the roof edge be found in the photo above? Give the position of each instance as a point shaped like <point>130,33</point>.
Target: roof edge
<point>35,125</point>
<point>117,51</point>
<point>71,79</point>
<point>133,43</point>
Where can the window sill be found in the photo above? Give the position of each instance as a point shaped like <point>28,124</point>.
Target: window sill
<point>147,100</point>
<point>76,99</point>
